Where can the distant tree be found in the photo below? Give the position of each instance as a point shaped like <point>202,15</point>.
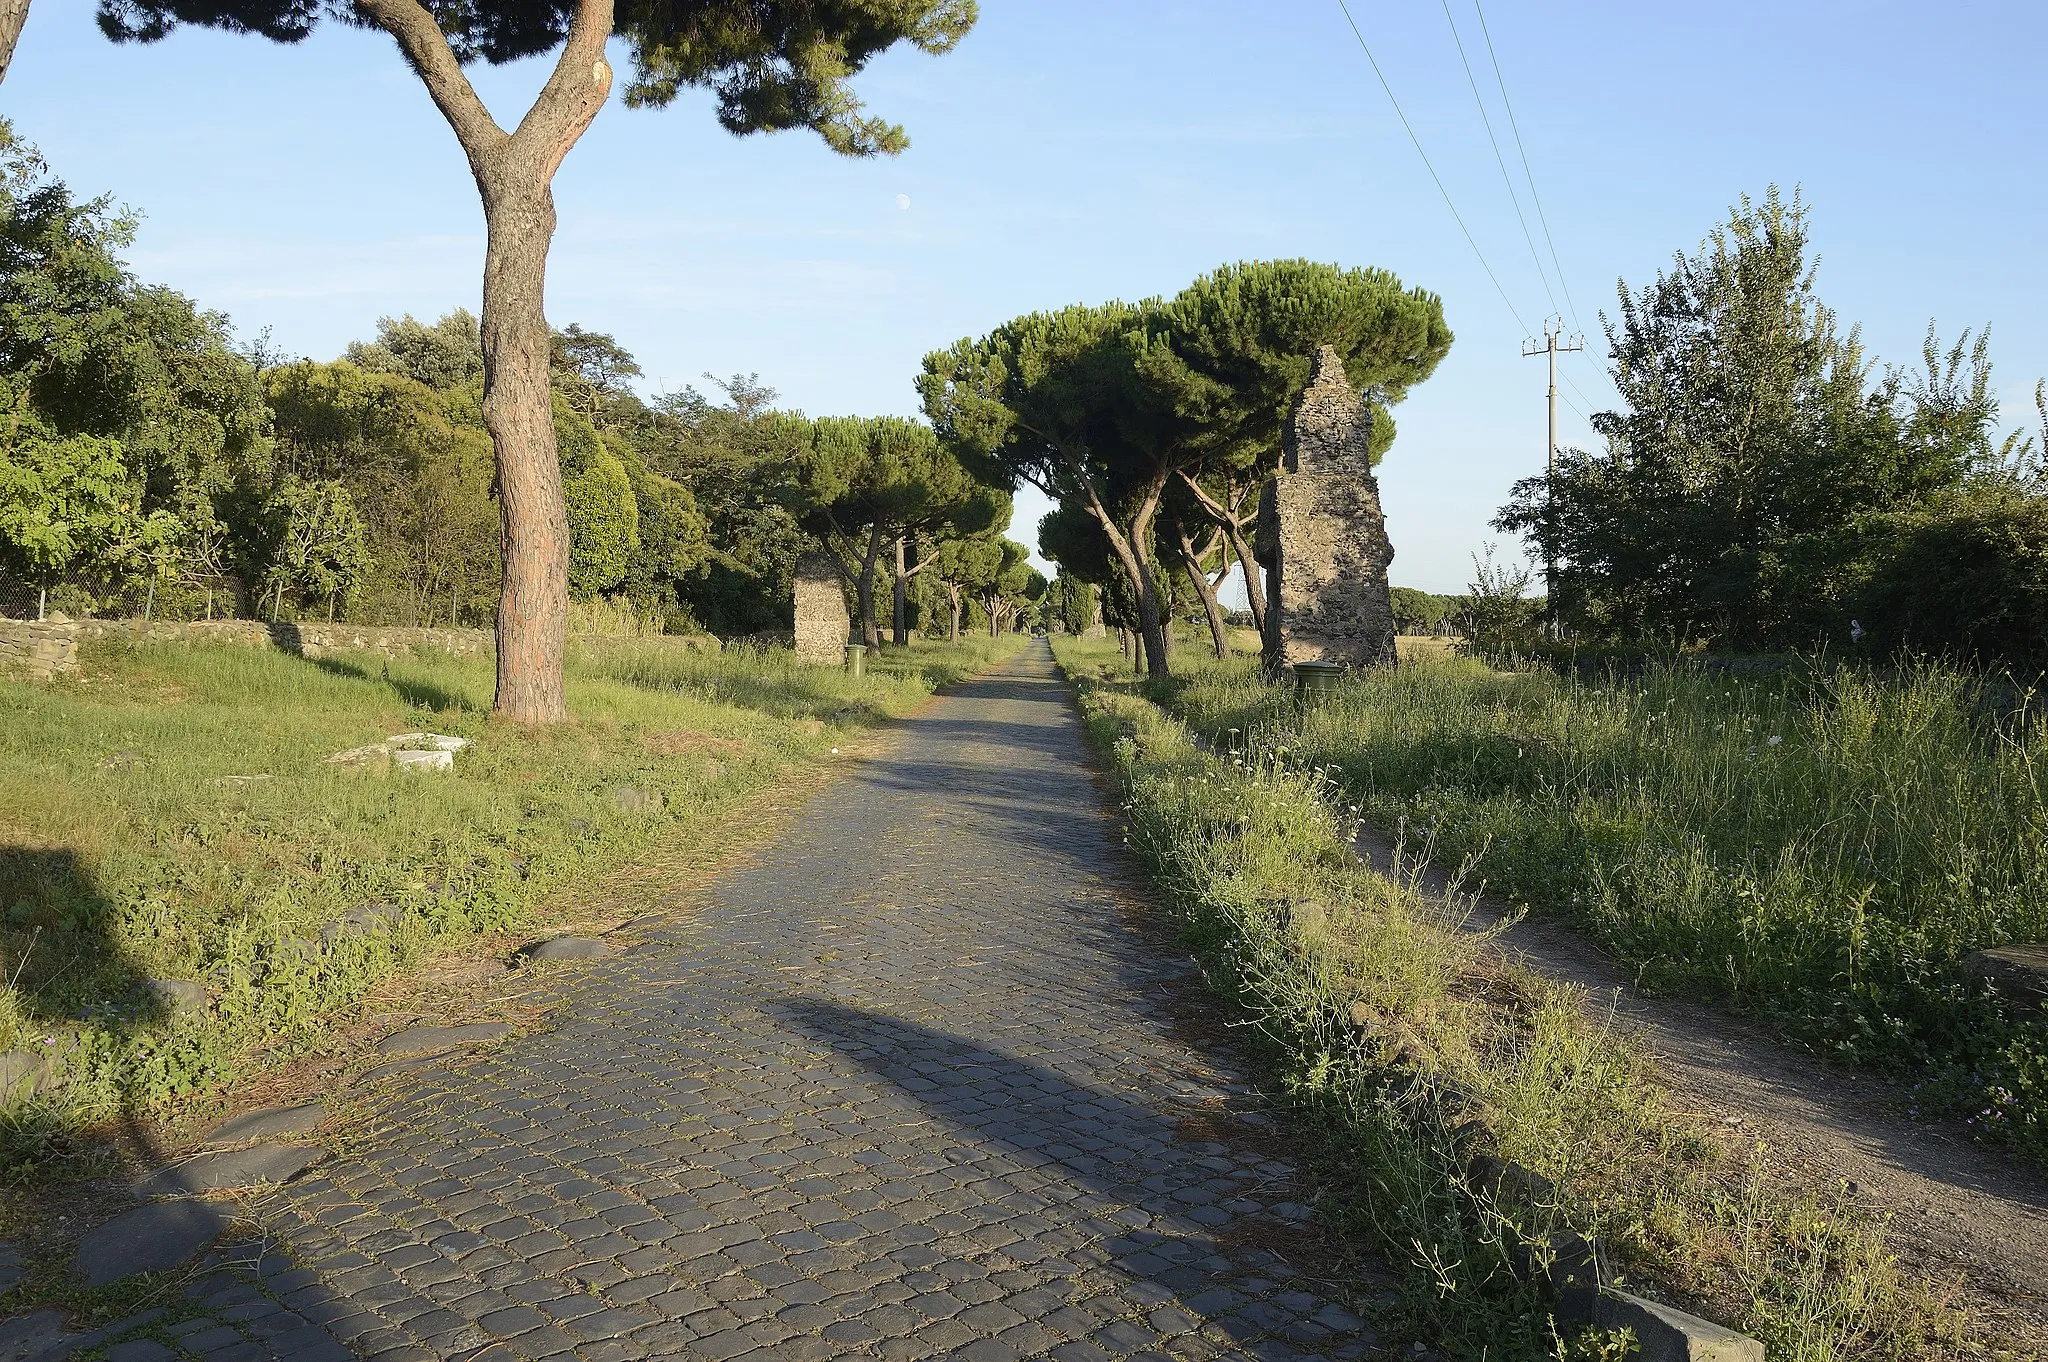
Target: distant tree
<point>591,369</point>
<point>1750,446</point>
<point>318,547</point>
<point>63,502</point>
<point>871,482</point>
<point>604,524</point>
<point>1056,400</point>
<point>773,64</point>
<point>447,354</point>
<point>1238,346</point>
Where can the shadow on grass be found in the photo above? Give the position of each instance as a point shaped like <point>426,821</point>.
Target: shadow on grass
<point>57,947</point>
<point>419,694</point>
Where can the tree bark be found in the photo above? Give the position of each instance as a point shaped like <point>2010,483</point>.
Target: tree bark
<point>513,172</point>
<point>953,600</point>
<point>1254,588</point>
<point>901,622</point>
<point>1191,563</point>
<point>13,14</point>
<point>864,591</point>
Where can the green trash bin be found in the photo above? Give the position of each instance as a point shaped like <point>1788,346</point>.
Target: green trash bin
<point>1315,682</point>
<point>856,658</point>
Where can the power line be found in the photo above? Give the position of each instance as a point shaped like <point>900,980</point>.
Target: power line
<point>1499,160</point>
<point>1469,240</point>
<point>1526,171</point>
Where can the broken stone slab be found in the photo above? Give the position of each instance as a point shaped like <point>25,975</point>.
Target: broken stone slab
<point>22,1075</point>
<point>175,996</point>
<point>1666,1334</point>
<point>631,800</point>
<point>268,1123</point>
<point>149,1238</point>
<point>37,1335</point>
<point>425,742</point>
<point>431,1040</point>
<point>361,921</point>
<point>570,948</point>
<point>423,761</point>
<point>257,1164</point>
<point>2019,971</point>
<point>398,1066</point>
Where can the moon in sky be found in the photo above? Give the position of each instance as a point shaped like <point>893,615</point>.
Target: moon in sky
<point>903,200</point>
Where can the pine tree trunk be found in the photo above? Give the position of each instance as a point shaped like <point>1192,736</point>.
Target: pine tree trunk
<point>1219,630</point>
<point>864,592</point>
<point>533,600</point>
<point>1254,586</point>
<point>13,14</point>
<point>513,171</point>
<point>902,619</point>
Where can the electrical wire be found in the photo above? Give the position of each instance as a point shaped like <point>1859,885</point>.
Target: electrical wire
<point>1487,121</point>
<point>1529,174</point>
<point>1431,168</point>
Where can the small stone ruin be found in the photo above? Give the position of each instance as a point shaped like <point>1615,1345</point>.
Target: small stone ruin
<point>1322,538</point>
<point>821,618</point>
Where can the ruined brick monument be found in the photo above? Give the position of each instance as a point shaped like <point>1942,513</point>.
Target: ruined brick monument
<point>821,618</point>
<point>1321,535</point>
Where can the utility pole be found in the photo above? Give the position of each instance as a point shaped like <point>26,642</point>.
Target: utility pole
<point>1554,340</point>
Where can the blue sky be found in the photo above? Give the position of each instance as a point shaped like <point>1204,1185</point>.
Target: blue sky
<point>1079,151</point>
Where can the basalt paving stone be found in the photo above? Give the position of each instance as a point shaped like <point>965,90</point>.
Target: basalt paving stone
<point>910,1084</point>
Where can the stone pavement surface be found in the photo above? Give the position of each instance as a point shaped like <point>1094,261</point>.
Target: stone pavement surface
<point>915,1083</point>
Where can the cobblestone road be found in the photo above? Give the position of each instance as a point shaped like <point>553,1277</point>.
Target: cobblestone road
<point>914,1084</point>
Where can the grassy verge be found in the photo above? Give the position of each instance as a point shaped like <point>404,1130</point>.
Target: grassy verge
<point>1410,1048</point>
<point>1821,848</point>
<point>170,813</point>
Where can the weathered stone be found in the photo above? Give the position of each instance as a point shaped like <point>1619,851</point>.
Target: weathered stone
<point>22,1075</point>
<point>37,1335</point>
<point>425,742</point>
<point>1322,536</point>
<point>570,948</point>
<point>175,996</point>
<point>2019,971</point>
<point>259,1163</point>
<point>631,800</point>
<point>147,1239</point>
<point>1665,1334</point>
<point>429,1040</point>
<point>268,1123</point>
<point>399,1066</point>
<point>40,648</point>
<point>427,762</point>
<point>821,618</point>
<point>140,1350</point>
<point>362,921</point>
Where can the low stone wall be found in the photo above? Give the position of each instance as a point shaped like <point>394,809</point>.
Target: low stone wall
<point>42,648</point>
<point>307,640</point>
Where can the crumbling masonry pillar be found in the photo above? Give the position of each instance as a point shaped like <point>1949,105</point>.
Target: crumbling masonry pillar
<point>821,619</point>
<point>1322,537</point>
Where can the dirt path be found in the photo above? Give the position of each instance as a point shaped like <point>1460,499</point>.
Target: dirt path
<point>1958,1211</point>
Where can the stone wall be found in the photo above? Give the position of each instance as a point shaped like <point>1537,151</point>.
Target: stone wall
<point>822,623</point>
<point>41,648</point>
<point>307,640</point>
<point>1322,536</point>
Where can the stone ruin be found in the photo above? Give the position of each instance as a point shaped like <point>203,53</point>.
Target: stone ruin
<point>1322,538</point>
<point>821,619</point>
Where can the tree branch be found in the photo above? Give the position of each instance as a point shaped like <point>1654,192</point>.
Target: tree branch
<point>427,52</point>
<point>575,92</point>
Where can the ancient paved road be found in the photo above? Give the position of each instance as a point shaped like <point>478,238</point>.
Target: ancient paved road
<point>912,1085</point>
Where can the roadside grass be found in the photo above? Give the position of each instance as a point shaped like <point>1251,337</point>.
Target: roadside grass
<point>1819,847</point>
<point>1410,1048</point>
<point>169,812</point>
